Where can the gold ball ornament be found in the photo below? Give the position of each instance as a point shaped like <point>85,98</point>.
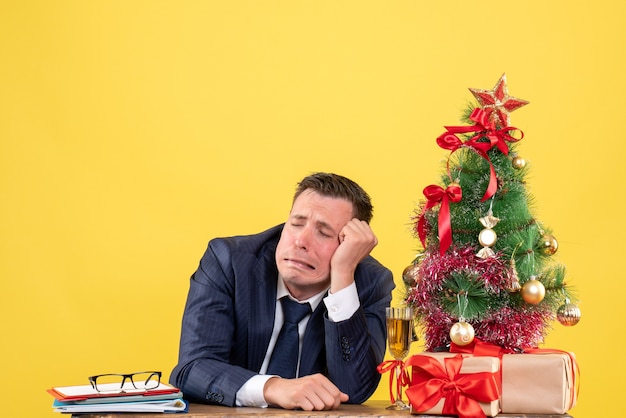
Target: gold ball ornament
<point>410,274</point>
<point>549,244</point>
<point>462,333</point>
<point>568,314</point>
<point>533,291</point>
<point>518,162</point>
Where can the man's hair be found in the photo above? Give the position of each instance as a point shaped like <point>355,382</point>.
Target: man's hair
<point>336,186</point>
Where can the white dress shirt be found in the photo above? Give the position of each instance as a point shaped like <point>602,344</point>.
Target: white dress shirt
<point>340,305</point>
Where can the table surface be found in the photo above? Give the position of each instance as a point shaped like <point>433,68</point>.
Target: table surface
<point>369,409</point>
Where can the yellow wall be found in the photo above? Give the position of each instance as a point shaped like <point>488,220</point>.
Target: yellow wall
<point>131,132</point>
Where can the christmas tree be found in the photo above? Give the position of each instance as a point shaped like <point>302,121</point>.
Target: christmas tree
<point>486,268</point>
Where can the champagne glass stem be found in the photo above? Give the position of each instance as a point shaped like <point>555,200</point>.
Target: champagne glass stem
<point>399,384</point>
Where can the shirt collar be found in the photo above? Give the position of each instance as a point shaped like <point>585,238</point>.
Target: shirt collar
<point>314,300</point>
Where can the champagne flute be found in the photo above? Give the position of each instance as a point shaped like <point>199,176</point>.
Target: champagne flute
<point>399,338</point>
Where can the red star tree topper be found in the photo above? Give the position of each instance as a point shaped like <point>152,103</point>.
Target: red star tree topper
<point>497,102</point>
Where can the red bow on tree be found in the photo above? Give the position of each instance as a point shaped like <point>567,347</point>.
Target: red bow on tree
<point>484,128</point>
<point>435,194</point>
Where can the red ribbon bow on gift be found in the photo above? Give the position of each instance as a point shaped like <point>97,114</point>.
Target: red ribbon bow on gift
<point>462,392</point>
<point>435,194</point>
<point>483,128</point>
<point>403,379</point>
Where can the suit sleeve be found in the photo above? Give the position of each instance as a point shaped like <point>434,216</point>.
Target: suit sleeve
<point>356,346</point>
<point>203,372</point>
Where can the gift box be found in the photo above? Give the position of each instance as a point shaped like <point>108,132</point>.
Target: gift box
<point>539,383</point>
<point>454,384</point>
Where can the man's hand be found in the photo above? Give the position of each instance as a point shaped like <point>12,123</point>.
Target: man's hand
<point>314,392</point>
<point>356,241</point>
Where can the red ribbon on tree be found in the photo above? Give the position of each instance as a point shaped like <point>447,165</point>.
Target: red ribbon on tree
<point>435,194</point>
<point>462,392</point>
<point>404,379</point>
<point>483,128</point>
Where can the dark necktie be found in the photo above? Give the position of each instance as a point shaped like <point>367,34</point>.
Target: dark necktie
<point>284,360</point>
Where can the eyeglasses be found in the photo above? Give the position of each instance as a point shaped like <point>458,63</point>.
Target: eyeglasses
<point>122,383</point>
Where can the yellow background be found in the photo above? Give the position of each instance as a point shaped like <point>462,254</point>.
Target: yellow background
<point>132,132</point>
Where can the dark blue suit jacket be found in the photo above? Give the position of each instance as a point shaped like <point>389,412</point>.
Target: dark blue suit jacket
<point>229,316</point>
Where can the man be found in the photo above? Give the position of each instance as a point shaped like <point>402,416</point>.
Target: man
<point>234,311</point>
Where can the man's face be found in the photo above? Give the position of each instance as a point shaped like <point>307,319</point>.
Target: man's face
<point>309,240</point>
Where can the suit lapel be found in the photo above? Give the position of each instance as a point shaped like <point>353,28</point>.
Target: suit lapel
<point>263,307</point>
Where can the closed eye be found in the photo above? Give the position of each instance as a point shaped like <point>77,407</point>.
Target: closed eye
<point>325,235</point>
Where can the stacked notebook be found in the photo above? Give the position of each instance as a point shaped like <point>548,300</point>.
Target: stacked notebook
<point>86,399</point>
